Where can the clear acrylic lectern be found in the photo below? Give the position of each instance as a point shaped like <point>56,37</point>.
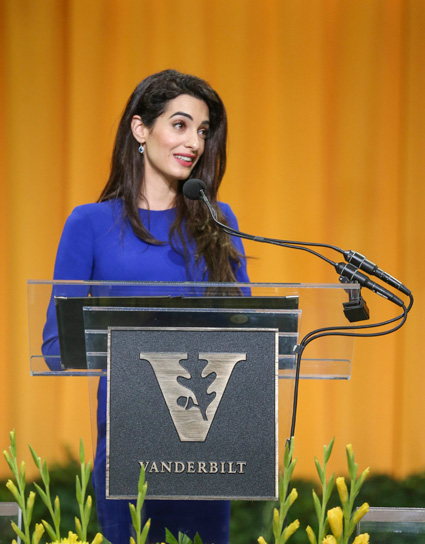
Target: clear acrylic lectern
<point>318,305</point>
<point>78,328</point>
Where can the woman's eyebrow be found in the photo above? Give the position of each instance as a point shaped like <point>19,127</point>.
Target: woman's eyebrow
<point>206,122</point>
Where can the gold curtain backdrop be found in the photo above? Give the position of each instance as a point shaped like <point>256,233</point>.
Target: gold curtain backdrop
<point>325,100</point>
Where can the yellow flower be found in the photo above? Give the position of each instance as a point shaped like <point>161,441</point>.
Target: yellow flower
<point>276,528</point>
<point>14,490</point>
<point>342,489</point>
<point>97,539</point>
<point>290,530</point>
<point>261,540</point>
<point>30,500</point>
<point>72,539</point>
<point>38,532</point>
<point>335,521</point>
<point>330,539</point>
<point>358,514</point>
<point>364,475</point>
<point>350,449</point>
<point>78,524</point>
<point>361,539</point>
<point>311,535</point>
<point>293,495</point>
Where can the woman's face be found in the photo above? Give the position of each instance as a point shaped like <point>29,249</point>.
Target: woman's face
<point>176,141</point>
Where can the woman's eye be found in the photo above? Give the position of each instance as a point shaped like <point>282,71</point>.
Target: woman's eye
<point>204,133</point>
<point>179,125</point>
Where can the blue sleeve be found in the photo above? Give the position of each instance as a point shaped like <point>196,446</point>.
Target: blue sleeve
<point>74,261</point>
<point>241,272</point>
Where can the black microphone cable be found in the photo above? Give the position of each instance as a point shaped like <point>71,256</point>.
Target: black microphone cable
<point>337,331</point>
<point>195,189</point>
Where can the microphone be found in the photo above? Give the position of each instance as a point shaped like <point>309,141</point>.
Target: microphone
<point>360,261</point>
<point>348,270</point>
<point>192,188</point>
<point>195,189</point>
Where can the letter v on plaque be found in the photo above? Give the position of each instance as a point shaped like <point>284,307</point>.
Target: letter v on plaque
<point>192,396</point>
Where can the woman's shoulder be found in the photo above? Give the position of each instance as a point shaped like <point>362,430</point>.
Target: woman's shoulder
<point>88,220</point>
<point>93,209</point>
<point>96,212</point>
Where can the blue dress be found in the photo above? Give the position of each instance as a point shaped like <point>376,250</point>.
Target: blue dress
<point>96,245</point>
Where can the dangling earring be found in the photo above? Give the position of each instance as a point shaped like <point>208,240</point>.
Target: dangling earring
<point>141,150</point>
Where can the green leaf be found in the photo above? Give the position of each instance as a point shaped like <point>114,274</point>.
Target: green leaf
<point>29,510</point>
<point>13,450</point>
<point>169,538</point>
<point>19,532</point>
<point>289,445</point>
<point>329,488</point>
<point>21,477</point>
<point>15,492</point>
<point>35,457</point>
<point>319,471</point>
<point>78,490</point>
<point>42,494</point>
<point>141,482</point>
<point>275,526</point>
<point>78,528</point>
<point>317,505</point>
<point>145,532</point>
<point>50,530</point>
<point>282,538</point>
<point>82,456</point>
<point>326,526</point>
<point>45,474</point>
<point>352,467</point>
<point>87,510</point>
<point>57,512</point>
<point>290,469</point>
<point>197,539</point>
<point>134,517</point>
<point>9,461</point>
<point>184,539</point>
<point>141,497</point>
<point>87,472</point>
<point>328,450</point>
<point>281,488</point>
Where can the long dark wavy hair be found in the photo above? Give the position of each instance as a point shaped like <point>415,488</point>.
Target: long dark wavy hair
<point>149,100</point>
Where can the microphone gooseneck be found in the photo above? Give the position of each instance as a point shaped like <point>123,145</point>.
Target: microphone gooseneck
<point>195,189</point>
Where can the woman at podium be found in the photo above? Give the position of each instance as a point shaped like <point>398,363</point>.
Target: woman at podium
<point>142,228</point>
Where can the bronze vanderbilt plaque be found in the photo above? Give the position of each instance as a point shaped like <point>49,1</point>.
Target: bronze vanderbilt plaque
<point>197,407</point>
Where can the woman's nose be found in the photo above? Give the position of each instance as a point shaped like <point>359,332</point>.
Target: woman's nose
<point>193,141</point>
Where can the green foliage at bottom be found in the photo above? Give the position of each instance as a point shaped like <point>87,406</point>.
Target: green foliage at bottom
<point>62,483</point>
<point>249,519</point>
<point>252,519</point>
